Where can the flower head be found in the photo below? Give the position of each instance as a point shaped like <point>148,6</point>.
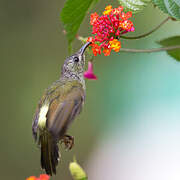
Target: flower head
<point>115,45</point>
<point>107,51</point>
<point>96,49</point>
<point>125,16</point>
<point>94,18</point>
<point>41,177</point>
<point>117,10</point>
<point>108,10</point>
<point>108,28</point>
<point>126,25</point>
<point>89,74</point>
<point>44,177</point>
<point>90,39</point>
<point>31,178</point>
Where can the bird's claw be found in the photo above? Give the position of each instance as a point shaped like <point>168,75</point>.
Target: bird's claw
<point>68,142</point>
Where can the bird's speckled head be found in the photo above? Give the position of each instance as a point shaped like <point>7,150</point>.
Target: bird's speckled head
<point>74,65</point>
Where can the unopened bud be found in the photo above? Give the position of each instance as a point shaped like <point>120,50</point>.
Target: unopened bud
<point>77,172</point>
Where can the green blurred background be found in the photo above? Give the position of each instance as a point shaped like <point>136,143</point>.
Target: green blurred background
<point>33,49</point>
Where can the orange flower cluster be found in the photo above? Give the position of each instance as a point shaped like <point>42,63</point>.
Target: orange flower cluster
<point>108,29</point>
<point>41,177</point>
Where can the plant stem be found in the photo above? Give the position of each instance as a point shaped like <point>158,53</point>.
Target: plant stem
<point>150,50</point>
<point>148,33</point>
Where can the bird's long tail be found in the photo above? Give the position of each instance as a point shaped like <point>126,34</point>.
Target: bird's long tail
<point>49,153</point>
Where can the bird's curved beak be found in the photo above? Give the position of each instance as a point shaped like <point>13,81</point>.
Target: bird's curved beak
<point>82,50</point>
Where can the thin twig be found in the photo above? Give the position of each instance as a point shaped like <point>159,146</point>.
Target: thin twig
<point>150,50</point>
<point>148,33</point>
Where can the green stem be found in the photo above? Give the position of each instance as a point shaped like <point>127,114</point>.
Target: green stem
<point>148,33</point>
<point>150,50</point>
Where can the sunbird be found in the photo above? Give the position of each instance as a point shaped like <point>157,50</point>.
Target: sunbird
<point>58,107</point>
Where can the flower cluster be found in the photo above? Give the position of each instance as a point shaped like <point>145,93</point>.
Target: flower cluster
<point>41,177</point>
<point>108,28</point>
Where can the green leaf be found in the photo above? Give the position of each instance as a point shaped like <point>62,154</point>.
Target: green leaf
<point>175,40</point>
<point>72,16</point>
<point>170,7</point>
<point>134,5</point>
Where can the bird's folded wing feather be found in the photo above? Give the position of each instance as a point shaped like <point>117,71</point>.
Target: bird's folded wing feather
<point>63,111</point>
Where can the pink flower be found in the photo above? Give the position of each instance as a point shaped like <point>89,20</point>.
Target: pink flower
<point>89,74</point>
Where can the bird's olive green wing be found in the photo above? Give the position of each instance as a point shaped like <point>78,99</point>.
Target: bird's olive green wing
<point>35,120</point>
<point>48,92</point>
<point>63,110</point>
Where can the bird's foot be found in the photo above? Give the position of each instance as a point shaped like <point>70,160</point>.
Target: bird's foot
<point>68,141</point>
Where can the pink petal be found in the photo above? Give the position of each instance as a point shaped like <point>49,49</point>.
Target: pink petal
<point>90,76</point>
<point>132,29</point>
<point>89,73</point>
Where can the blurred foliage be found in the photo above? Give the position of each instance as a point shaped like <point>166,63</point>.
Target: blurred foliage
<point>134,5</point>
<point>72,16</point>
<point>170,7</point>
<point>169,42</point>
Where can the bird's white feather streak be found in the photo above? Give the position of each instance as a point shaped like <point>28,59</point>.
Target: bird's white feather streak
<point>42,116</point>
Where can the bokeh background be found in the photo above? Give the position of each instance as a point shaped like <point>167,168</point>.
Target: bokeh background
<point>130,125</point>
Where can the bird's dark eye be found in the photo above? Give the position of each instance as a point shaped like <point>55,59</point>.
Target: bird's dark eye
<point>76,59</point>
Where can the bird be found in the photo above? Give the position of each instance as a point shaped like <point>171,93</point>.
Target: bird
<point>58,107</point>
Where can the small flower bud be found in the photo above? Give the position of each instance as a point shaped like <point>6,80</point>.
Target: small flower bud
<point>77,172</point>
